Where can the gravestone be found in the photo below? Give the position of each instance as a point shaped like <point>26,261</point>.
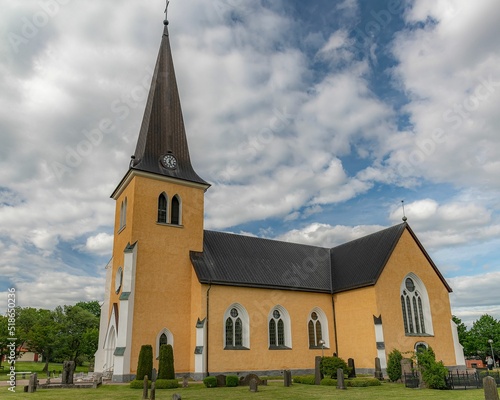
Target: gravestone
<point>67,373</point>
<point>378,370</point>
<point>153,390</point>
<point>352,368</point>
<point>176,396</point>
<point>317,370</point>
<point>490,388</point>
<point>253,385</point>
<point>406,368</point>
<point>245,381</point>
<point>185,381</point>
<point>287,377</point>
<point>145,388</point>
<point>221,380</point>
<point>340,379</point>
<point>154,375</point>
<point>32,383</point>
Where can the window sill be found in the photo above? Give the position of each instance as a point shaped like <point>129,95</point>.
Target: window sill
<point>168,224</point>
<point>418,334</point>
<point>121,229</point>
<point>318,348</point>
<point>236,348</point>
<point>279,348</point>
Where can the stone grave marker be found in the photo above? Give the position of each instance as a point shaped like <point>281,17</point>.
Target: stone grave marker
<point>378,370</point>
<point>340,379</point>
<point>317,370</point>
<point>221,380</point>
<point>287,378</point>
<point>152,396</point>
<point>176,396</point>
<point>145,388</point>
<point>490,388</point>
<point>32,383</point>
<point>154,375</point>
<point>185,381</point>
<point>253,385</point>
<point>352,368</point>
<point>406,368</point>
<point>67,373</point>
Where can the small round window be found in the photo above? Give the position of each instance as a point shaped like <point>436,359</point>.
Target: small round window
<point>314,316</point>
<point>118,279</point>
<point>410,285</point>
<point>276,314</point>
<point>234,312</point>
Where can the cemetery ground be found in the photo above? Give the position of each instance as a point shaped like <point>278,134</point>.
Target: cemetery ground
<point>274,390</point>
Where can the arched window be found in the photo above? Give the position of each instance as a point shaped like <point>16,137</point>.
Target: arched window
<point>236,328</point>
<point>317,328</point>
<point>279,329</point>
<point>176,211</point>
<point>415,307</point>
<point>163,337</point>
<point>162,208</point>
<point>123,214</point>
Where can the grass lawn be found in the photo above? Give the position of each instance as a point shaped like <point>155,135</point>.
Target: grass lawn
<point>275,390</point>
<point>28,366</point>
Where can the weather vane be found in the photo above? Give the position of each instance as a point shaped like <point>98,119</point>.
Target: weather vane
<point>166,10</point>
<point>404,215</point>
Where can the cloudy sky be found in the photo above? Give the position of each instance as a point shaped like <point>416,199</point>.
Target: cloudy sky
<point>312,120</point>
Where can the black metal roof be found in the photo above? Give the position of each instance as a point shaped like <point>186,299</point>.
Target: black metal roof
<point>236,260</point>
<point>359,262</point>
<point>162,130</point>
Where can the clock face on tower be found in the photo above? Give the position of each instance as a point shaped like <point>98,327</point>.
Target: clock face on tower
<point>169,161</point>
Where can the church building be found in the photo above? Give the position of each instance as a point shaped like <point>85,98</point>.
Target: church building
<point>235,304</point>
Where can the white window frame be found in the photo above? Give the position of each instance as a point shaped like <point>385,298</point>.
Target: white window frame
<point>245,321</point>
<point>426,310</point>
<point>287,325</point>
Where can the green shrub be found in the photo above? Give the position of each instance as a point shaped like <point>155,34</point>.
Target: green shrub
<point>137,384</point>
<point>305,379</point>
<point>394,365</point>
<point>362,382</point>
<point>328,382</point>
<point>166,384</point>
<point>329,366</point>
<point>232,381</point>
<point>433,373</point>
<point>145,363</point>
<point>166,368</point>
<point>210,381</point>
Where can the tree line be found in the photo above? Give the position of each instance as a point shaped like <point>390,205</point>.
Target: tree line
<point>476,339</point>
<point>65,333</point>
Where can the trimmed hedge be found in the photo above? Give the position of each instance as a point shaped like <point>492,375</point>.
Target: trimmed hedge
<point>166,368</point>
<point>305,379</point>
<point>166,384</point>
<point>232,381</point>
<point>394,365</point>
<point>329,366</point>
<point>137,384</point>
<point>354,382</point>
<point>362,382</point>
<point>210,381</point>
<point>145,363</point>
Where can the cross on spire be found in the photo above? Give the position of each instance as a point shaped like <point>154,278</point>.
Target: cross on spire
<point>166,11</point>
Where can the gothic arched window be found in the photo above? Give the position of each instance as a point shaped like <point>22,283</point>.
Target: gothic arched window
<point>176,211</point>
<point>415,307</point>
<point>279,329</point>
<point>162,208</point>
<point>236,328</point>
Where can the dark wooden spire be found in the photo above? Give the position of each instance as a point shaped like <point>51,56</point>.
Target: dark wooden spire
<point>162,131</point>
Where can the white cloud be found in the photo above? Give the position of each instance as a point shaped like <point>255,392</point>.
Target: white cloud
<point>101,244</point>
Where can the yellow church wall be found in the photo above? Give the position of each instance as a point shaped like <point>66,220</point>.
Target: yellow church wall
<point>407,257</point>
<point>163,277</point>
<point>258,303</point>
<point>355,328</point>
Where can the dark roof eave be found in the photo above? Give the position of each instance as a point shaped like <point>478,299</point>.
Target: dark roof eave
<point>257,286</point>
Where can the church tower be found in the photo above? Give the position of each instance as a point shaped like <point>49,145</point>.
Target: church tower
<point>158,221</point>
